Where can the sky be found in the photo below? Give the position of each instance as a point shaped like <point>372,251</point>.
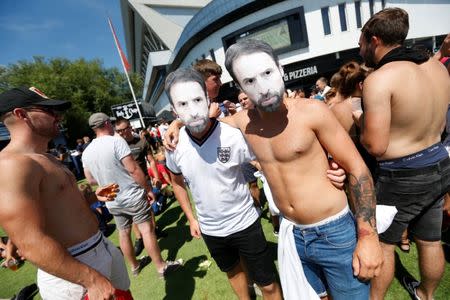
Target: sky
<point>70,29</point>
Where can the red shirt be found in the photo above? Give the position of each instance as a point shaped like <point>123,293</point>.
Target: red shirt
<point>161,169</point>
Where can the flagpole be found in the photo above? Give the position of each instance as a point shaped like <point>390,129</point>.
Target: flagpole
<point>126,68</point>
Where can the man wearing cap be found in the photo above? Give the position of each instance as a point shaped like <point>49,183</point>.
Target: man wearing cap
<point>43,211</point>
<point>109,159</point>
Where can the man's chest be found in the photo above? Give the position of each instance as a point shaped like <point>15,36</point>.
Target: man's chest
<point>284,145</point>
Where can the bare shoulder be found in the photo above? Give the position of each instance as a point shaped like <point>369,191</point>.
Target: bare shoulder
<point>308,108</point>
<point>19,165</point>
<point>238,120</point>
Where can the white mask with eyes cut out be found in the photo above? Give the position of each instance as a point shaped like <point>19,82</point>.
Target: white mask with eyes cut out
<point>191,105</point>
<point>261,79</point>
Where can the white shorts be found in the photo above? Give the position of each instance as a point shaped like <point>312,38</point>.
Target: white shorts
<point>103,257</point>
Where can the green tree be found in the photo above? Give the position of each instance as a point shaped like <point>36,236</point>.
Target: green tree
<point>86,83</point>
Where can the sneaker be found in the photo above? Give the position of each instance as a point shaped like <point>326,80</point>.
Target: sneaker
<point>141,264</point>
<point>138,247</point>
<point>171,266</point>
<point>411,286</point>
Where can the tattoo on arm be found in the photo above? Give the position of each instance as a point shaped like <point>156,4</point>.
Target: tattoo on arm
<point>362,193</point>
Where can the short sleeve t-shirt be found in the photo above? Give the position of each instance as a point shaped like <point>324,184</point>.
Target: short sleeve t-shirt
<point>139,149</point>
<point>103,160</point>
<point>212,170</point>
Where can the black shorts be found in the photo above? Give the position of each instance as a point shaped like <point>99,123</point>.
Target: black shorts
<point>251,245</point>
<point>248,170</point>
<point>418,196</point>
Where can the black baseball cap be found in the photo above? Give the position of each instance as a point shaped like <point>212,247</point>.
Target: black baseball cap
<point>25,97</point>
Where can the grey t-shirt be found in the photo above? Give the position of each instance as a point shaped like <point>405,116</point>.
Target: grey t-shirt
<point>103,160</point>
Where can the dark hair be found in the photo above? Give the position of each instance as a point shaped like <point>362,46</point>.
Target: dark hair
<point>183,75</point>
<point>207,67</point>
<point>391,25</point>
<point>121,120</point>
<point>246,47</point>
<point>351,74</point>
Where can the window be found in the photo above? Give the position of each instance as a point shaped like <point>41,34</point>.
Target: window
<point>326,20</point>
<point>284,32</point>
<point>213,56</point>
<point>358,14</point>
<point>342,17</point>
<point>371,7</point>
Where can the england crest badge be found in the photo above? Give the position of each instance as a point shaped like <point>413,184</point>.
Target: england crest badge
<point>223,154</point>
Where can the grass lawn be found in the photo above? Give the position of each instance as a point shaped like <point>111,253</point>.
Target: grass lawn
<point>190,282</point>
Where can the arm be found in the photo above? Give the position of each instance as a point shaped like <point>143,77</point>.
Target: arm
<point>367,258</point>
<point>22,216</point>
<point>152,163</point>
<point>376,119</point>
<point>167,177</point>
<point>136,173</point>
<point>90,179</point>
<point>180,191</point>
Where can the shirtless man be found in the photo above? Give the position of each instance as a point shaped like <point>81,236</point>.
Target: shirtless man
<point>296,171</point>
<point>42,210</point>
<point>402,128</point>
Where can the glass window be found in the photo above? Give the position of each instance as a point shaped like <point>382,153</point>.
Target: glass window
<point>358,14</point>
<point>342,17</point>
<point>284,32</point>
<point>276,35</point>
<point>326,20</point>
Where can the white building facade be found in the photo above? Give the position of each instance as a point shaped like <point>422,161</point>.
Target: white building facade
<point>311,38</point>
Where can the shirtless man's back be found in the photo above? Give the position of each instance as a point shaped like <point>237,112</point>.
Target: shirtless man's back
<point>43,211</point>
<point>291,141</point>
<point>407,114</point>
<point>405,103</point>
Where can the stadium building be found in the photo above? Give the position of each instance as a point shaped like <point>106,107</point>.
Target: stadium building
<point>312,38</point>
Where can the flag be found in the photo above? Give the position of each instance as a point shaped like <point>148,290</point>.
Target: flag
<point>123,58</point>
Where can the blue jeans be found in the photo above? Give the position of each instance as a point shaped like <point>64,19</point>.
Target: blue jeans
<point>326,253</point>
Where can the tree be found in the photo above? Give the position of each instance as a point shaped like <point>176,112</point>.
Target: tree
<point>87,84</point>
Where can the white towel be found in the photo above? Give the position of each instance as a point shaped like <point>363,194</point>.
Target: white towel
<point>293,280</point>
<point>274,211</point>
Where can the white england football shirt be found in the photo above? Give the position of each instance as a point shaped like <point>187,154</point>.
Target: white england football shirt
<point>212,169</point>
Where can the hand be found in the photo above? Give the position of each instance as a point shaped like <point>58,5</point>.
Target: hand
<point>171,135</point>
<point>150,196</point>
<point>195,229</point>
<point>102,289</point>
<point>214,110</point>
<point>367,257</point>
<point>107,193</point>
<point>230,106</point>
<point>336,175</point>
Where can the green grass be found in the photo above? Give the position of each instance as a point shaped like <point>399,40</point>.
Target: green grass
<point>190,282</point>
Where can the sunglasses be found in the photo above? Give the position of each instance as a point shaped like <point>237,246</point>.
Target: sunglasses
<point>123,129</point>
<point>50,111</point>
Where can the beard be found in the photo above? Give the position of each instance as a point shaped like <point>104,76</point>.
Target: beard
<point>198,127</point>
<point>369,58</point>
<point>276,99</point>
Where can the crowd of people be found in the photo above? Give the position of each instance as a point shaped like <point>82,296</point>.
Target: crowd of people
<point>347,178</point>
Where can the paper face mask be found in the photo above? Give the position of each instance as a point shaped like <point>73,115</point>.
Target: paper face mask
<point>190,104</point>
<point>261,79</point>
